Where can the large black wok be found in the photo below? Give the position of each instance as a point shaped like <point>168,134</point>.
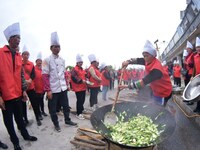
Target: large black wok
<point>163,116</point>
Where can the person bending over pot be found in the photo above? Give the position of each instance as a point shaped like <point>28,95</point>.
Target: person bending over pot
<point>156,76</point>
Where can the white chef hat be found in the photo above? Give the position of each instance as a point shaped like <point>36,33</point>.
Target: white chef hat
<point>197,42</point>
<point>148,47</point>
<point>92,58</point>
<point>174,62</point>
<point>189,45</point>
<point>54,39</point>
<point>25,49</point>
<point>185,53</point>
<point>78,58</point>
<point>39,56</point>
<point>12,30</point>
<point>103,65</point>
<point>164,63</point>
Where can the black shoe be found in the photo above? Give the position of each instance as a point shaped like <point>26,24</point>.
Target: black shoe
<point>30,138</point>
<point>26,122</point>
<point>40,117</point>
<point>57,128</point>
<point>3,146</point>
<point>190,103</point>
<point>196,111</point>
<point>17,147</point>
<point>44,114</point>
<point>70,123</point>
<point>39,123</point>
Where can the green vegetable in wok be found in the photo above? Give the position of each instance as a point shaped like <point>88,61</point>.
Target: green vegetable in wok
<point>138,131</point>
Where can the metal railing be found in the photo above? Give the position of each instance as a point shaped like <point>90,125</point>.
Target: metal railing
<point>175,43</point>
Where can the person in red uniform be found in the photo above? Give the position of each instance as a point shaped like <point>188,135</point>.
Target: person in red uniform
<point>177,73</point>
<point>189,62</point>
<point>165,66</point>
<point>39,85</point>
<point>119,71</point>
<point>94,76</point>
<point>125,77</point>
<point>78,83</point>
<point>189,65</point>
<point>197,69</point>
<point>134,74</point>
<point>158,79</point>
<point>29,73</point>
<point>106,79</point>
<point>13,86</point>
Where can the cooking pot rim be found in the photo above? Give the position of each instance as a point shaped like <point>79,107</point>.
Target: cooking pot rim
<point>196,98</point>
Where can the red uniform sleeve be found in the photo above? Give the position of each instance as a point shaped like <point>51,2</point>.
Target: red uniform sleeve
<point>46,82</point>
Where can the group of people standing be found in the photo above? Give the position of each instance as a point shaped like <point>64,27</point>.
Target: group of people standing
<point>192,65</point>
<point>21,81</point>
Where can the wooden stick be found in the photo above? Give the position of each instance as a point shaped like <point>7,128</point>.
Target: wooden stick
<point>88,130</point>
<point>93,137</point>
<point>118,90</point>
<point>98,136</point>
<point>88,141</point>
<point>87,145</point>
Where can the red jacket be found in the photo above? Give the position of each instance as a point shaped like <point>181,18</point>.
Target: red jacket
<point>91,79</point>
<point>161,87</point>
<point>80,75</point>
<point>166,68</point>
<point>197,64</point>
<point>177,71</point>
<point>38,81</point>
<point>189,62</point>
<point>134,74</point>
<point>10,74</point>
<point>28,67</point>
<point>125,75</point>
<point>105,81</point>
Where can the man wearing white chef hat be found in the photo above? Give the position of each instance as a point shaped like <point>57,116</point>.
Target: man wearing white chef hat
<point>53,71</point>
<point>13,86</point>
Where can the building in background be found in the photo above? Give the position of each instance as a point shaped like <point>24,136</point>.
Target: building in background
<point>188,29</point>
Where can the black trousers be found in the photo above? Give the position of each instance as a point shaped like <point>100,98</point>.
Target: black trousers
<point>187,79</point>
<point>198,105</point>
<point>80,96</point>
<point>24,111</point>
<point>177,81</point>
<point>62,98</point>
<point>93,95</point>
<point>40,98</point>
<point>14,108</point>
<point>34,102</point>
